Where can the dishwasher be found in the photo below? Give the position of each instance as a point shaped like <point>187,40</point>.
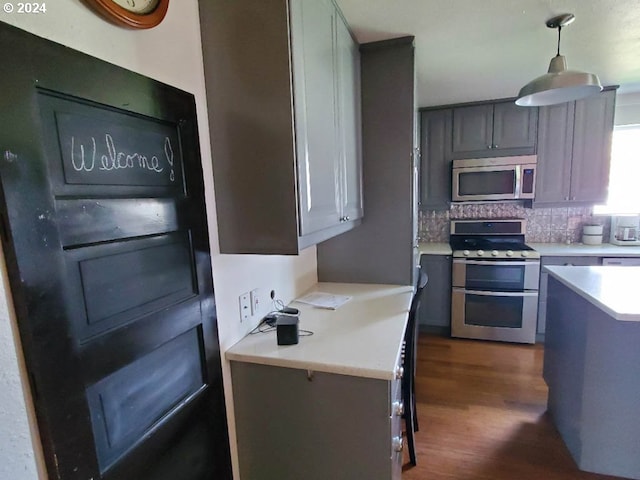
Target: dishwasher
<point>623,261</point>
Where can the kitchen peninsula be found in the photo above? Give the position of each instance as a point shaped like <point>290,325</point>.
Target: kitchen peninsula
<point>592,365</point>
<point>328,407</point>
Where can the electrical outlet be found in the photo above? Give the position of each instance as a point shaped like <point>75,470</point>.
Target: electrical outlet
<point>245,307</point>
<point>256,301</point>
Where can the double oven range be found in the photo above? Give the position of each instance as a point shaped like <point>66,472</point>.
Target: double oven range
<point>494,281</point>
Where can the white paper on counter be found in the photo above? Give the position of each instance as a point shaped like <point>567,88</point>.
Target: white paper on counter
<point>324,300</point>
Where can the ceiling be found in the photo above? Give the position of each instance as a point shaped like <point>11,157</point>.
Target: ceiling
<point>468,50</point>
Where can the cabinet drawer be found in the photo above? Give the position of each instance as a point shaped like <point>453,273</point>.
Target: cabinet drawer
<point>569,261</point>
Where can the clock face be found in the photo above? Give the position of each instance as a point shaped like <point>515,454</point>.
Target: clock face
<point>138,6</point>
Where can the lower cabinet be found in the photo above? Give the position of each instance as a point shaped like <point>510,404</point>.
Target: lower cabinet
<point>296,424</point>
<point>544,279</point>
<point>435,307</point>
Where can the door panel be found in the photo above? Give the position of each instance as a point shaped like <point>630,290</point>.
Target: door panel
<point>514,129</point>
<point>555,149</point>
<point>314,81</point>
<point>472,131</point>
<point>106,243</point>
<point>348,57</point>
<point>592,147</point>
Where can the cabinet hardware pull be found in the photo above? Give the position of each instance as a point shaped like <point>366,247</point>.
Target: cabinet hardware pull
<point>398,444</point>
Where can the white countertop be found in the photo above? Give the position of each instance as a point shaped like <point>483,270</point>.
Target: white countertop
<point>614,289</point>
<point>579,249</point>
<point>432,248</point>
<point>361,338</point>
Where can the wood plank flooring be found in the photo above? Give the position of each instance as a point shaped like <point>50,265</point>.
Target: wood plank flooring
<point>481,409</point>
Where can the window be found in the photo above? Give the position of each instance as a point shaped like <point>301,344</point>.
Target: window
<point>624,179</point>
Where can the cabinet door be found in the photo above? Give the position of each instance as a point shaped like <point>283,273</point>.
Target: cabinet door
<point>472,131</point>
<point>592,147</point>
<point>317,425</point>
<point>313,56</point>
<point>514,129</point>
<point>348,57</point>
<point>435,167</point>
<point>555,141</point>
<point>435,307</point>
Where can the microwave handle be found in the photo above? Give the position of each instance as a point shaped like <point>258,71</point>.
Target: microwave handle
<point>518,188</point>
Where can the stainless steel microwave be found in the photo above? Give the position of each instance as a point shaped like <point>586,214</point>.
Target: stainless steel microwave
<point>502,178</point>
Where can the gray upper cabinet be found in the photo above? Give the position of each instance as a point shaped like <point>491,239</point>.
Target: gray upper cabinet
<point>381,249</point>
<point>514,129</point>
<point>284,111</point>
<point>472,130</point>
<point>574,151</point>
<point>494,129</point>
<point>435,167</point>
<point>591,159</point>
<point>555,144</point>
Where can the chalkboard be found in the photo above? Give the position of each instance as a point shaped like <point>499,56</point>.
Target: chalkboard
<point>100,146</point>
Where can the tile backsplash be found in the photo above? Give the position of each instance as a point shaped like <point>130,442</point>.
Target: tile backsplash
<point>544,225</point>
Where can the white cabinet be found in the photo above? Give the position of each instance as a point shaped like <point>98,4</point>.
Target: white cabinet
<point>325,71</point>
<point>349,116</point>
<point>284,114</point>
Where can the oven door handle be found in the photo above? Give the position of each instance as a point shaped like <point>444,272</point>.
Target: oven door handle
<point>498,262</point>
<point>496,294</point>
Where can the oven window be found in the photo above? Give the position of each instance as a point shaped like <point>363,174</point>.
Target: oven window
<point>493,311</point>
<point>495,277</point>
<point>486,183</point>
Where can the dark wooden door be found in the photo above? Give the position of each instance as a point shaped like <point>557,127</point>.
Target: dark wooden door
<point>105,234</point>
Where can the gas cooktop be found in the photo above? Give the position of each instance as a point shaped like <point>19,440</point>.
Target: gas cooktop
<point>495,238</point>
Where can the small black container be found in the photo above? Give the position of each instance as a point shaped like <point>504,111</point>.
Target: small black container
<point>287,329</point>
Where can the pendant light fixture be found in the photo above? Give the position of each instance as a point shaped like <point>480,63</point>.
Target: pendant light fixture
<point>559,85</point>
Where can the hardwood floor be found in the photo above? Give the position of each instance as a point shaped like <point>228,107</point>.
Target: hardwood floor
<point>481,409</point>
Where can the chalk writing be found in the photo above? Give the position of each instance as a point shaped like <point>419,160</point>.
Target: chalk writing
<point>102,147</point>
<point>168,151</point>
<point>82,166</point>
<point>118,160</point>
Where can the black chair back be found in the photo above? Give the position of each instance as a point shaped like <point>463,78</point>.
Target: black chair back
<point>409,364</point>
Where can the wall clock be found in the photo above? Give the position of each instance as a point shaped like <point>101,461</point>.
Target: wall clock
<point>132,13</point>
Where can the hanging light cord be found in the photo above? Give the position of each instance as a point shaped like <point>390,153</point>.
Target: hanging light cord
<point>559,29</point>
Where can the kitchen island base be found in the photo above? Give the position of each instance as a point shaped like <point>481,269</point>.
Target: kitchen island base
<point>592,366</point>
<point>297,424</point>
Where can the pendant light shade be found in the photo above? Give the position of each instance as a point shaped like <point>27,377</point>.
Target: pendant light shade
<point>559,85</point>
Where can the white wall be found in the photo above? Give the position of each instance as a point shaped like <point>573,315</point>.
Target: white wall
<point>172,54</point>
<point>627,109</point>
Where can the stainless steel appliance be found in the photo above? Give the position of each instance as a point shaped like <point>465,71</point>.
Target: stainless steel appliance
<point>625,230</point>
<point>503,178</point>
<point>495,276</point>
